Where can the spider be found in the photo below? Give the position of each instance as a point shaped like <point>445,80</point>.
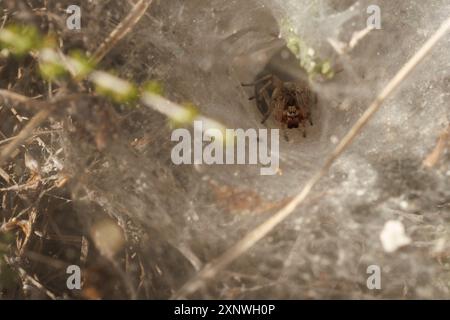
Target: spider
<point>291,102</point>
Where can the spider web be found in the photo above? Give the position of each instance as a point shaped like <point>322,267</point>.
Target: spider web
<point>201,51</point>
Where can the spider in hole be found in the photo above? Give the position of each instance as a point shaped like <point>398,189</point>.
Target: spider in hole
<point>290,102</point>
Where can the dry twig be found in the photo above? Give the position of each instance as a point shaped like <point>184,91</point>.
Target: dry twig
<point>26,132</point>
<point>122,29</point>
<point>46,109</point>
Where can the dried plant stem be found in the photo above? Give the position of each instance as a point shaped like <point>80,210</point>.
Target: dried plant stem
<point>35,256</point>
<point>16,97</point>
<point>122,29</point>
<point>34,135</point>
<point>26,132</point>
<point>46,108</point>
<point>212,268</point>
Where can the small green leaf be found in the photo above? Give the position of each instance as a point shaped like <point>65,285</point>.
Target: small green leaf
<point>186,116</point>
<point>154,87</point>
<point>51,65</point>
<point>80,64</point>
<point>20,39</point>
<point>326,67</point>
<point>114,87</point>
<point>305,54</point>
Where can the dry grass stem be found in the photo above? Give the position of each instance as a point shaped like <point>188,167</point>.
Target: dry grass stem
<point>122,29</point>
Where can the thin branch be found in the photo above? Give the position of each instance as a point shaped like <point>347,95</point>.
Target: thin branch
<point>122,29</point>
<point>175,111</point>
<point>26,132</point>
<point>242,246</point>
<point>46,109</point>
<point>34,135</point>
<point>16,97</point>
<point>37,257</point>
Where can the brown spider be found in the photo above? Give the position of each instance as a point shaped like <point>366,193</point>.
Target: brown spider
<point>291,102</point>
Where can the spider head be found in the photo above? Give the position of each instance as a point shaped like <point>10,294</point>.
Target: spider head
<point>292,111</point>
<point>292,114</point>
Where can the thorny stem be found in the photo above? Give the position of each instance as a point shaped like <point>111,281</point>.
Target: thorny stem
<point>214,267</point>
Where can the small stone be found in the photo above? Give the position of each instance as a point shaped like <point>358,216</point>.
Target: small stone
<point>393,236</point>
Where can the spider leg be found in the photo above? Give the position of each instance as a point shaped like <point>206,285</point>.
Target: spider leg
<point>299,99</point>
<point>265,78</point>
<point>315,99</point>
<point>304,129</point>
<point>264,88</point>
<point>302,104</point>
<point>284,130</point>
<point>270,104</point>
<point>257,94</point>
<point>303,116</point>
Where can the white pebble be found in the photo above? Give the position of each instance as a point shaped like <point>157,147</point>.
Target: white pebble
<point>393,236</point>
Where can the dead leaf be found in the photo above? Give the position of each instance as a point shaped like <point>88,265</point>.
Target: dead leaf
<point>31,164</point>
<point>238,200</point>
<point>433,158</point>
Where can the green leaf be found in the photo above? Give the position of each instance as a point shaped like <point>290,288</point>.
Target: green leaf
<point>186,116</point>
<point>20,39</point>
<point>154,87</point>
<point>51,65</point>
<point>114,87</point>
<point>80,64</point>
<point>305,54</point>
